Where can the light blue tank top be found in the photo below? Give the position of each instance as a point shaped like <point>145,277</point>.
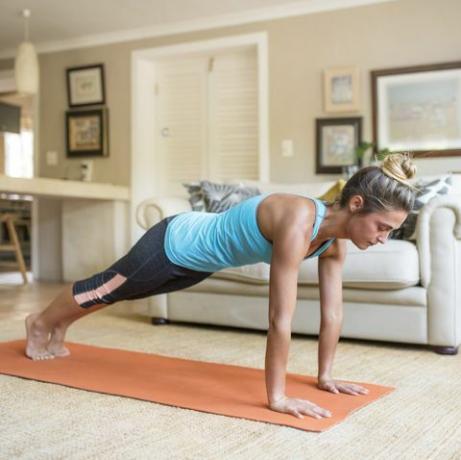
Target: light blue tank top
<point>209,242</point>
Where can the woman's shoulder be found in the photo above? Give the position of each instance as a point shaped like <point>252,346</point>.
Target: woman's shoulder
<point>281,210</point>
<point>338,249</point>
<point>292,206</point>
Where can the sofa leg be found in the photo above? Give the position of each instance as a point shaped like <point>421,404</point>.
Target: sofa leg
<point>159,321</point>
<point>445,350</point>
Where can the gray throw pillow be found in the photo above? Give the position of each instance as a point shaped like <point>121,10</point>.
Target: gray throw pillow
<point>212,197</point>
<point>426,191</point>
<point>196,198</point>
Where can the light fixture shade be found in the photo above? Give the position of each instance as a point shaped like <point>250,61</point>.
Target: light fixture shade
<point>26,69</point>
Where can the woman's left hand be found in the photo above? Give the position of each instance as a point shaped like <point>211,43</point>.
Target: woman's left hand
<point>341,387</point>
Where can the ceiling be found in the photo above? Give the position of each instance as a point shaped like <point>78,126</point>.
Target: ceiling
<point>61,24</point>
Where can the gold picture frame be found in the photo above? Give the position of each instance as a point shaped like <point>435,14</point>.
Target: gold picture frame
<point>341,89</point>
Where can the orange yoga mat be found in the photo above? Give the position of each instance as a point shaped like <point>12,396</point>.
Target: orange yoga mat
<point>223,389</point>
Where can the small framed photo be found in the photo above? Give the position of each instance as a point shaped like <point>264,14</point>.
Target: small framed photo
<point>418,109</point>
<point>86,133</point>
<point>337,139</point>
<point>85,85</point>
<point>341,89</point>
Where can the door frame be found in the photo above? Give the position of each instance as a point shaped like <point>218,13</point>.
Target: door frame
<point>144,150</point>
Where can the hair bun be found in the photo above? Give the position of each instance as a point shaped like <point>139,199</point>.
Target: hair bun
<point>399,166</point>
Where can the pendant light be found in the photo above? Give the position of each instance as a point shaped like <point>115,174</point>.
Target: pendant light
<point>26,65</point>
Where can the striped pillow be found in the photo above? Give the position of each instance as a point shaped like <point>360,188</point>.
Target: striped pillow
<point>196,198</point>
<point>213,197</point>
<point>426,191</point>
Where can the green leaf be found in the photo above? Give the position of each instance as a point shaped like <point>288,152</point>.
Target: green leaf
<point>362,148</point>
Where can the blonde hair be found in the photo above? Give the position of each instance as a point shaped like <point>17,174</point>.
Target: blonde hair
<point>385,187</point>
<point>399,166</point>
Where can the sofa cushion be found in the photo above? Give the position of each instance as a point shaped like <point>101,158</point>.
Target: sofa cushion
<point>253,274</point>
<point>374,268</point>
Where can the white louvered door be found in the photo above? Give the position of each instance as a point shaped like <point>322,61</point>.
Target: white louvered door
<point>233,120</point>
<point>182,121</point>
<point>207,119</point>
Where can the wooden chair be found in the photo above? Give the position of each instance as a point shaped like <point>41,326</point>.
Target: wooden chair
<point>14,246</point>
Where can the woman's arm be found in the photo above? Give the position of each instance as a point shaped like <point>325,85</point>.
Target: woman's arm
<point>282,303</point>
<point>331,305</point>
<point>289,248</point>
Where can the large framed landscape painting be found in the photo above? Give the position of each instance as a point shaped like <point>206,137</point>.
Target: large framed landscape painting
<point>418,109</point>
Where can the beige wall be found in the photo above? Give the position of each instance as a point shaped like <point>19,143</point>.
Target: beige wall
<point>2,154</point>
<point>401,33</point>
<point>6,64</point>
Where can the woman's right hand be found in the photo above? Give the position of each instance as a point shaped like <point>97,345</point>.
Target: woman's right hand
<point>299,408</point>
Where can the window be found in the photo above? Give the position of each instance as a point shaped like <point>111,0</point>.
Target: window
<point>19,161</point>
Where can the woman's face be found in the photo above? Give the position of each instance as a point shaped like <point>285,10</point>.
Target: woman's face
<point>369,229</point>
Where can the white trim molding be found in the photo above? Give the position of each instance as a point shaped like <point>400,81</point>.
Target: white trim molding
<point>298,8</point>
<point>144,152</point>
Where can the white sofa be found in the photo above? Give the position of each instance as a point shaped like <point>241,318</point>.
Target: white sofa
<point>398,292</point>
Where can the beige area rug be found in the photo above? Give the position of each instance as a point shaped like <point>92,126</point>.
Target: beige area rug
<point>421,419</point>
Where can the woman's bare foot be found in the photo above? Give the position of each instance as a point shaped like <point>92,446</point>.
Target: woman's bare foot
<point>56,344</point>
<point>37,339</point>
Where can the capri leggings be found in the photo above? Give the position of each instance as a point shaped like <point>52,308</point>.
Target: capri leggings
<point>144,271</point>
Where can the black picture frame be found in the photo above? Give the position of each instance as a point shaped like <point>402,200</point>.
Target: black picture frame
<point>86,85</point>
<point>347,133</point>
<point>87,133</point>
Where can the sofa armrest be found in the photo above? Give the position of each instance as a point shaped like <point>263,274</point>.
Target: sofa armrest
<point>153,210</point>
<point>438,232</point>
<point>442,213</point>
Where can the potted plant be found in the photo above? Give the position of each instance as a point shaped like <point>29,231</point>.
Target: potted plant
<point>363,148</point>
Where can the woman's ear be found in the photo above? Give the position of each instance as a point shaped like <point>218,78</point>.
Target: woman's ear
<point>356,203</point>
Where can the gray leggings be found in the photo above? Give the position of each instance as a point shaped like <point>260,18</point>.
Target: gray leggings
<point>143,272</point>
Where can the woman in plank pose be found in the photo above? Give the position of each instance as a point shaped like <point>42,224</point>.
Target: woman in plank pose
<point>278,228</point>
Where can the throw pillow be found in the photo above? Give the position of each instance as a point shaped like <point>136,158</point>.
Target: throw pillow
<point>425,192</point>
<point>333,192</point>
<point>196,198</point>
<point>213,197</point>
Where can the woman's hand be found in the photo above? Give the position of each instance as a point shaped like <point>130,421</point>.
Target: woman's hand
<point>341,387</point>
<point>299,408</point>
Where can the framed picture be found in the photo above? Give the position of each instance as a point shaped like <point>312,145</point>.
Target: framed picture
<point>418,109</point>
<point>86,133</point>
<point>341,89</point>
<point>337,139</point>
<point>85,85</point>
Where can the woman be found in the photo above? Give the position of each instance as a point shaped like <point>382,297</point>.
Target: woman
<point>280,229</point>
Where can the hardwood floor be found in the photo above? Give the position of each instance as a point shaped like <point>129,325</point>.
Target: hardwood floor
<point>18,300</point>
